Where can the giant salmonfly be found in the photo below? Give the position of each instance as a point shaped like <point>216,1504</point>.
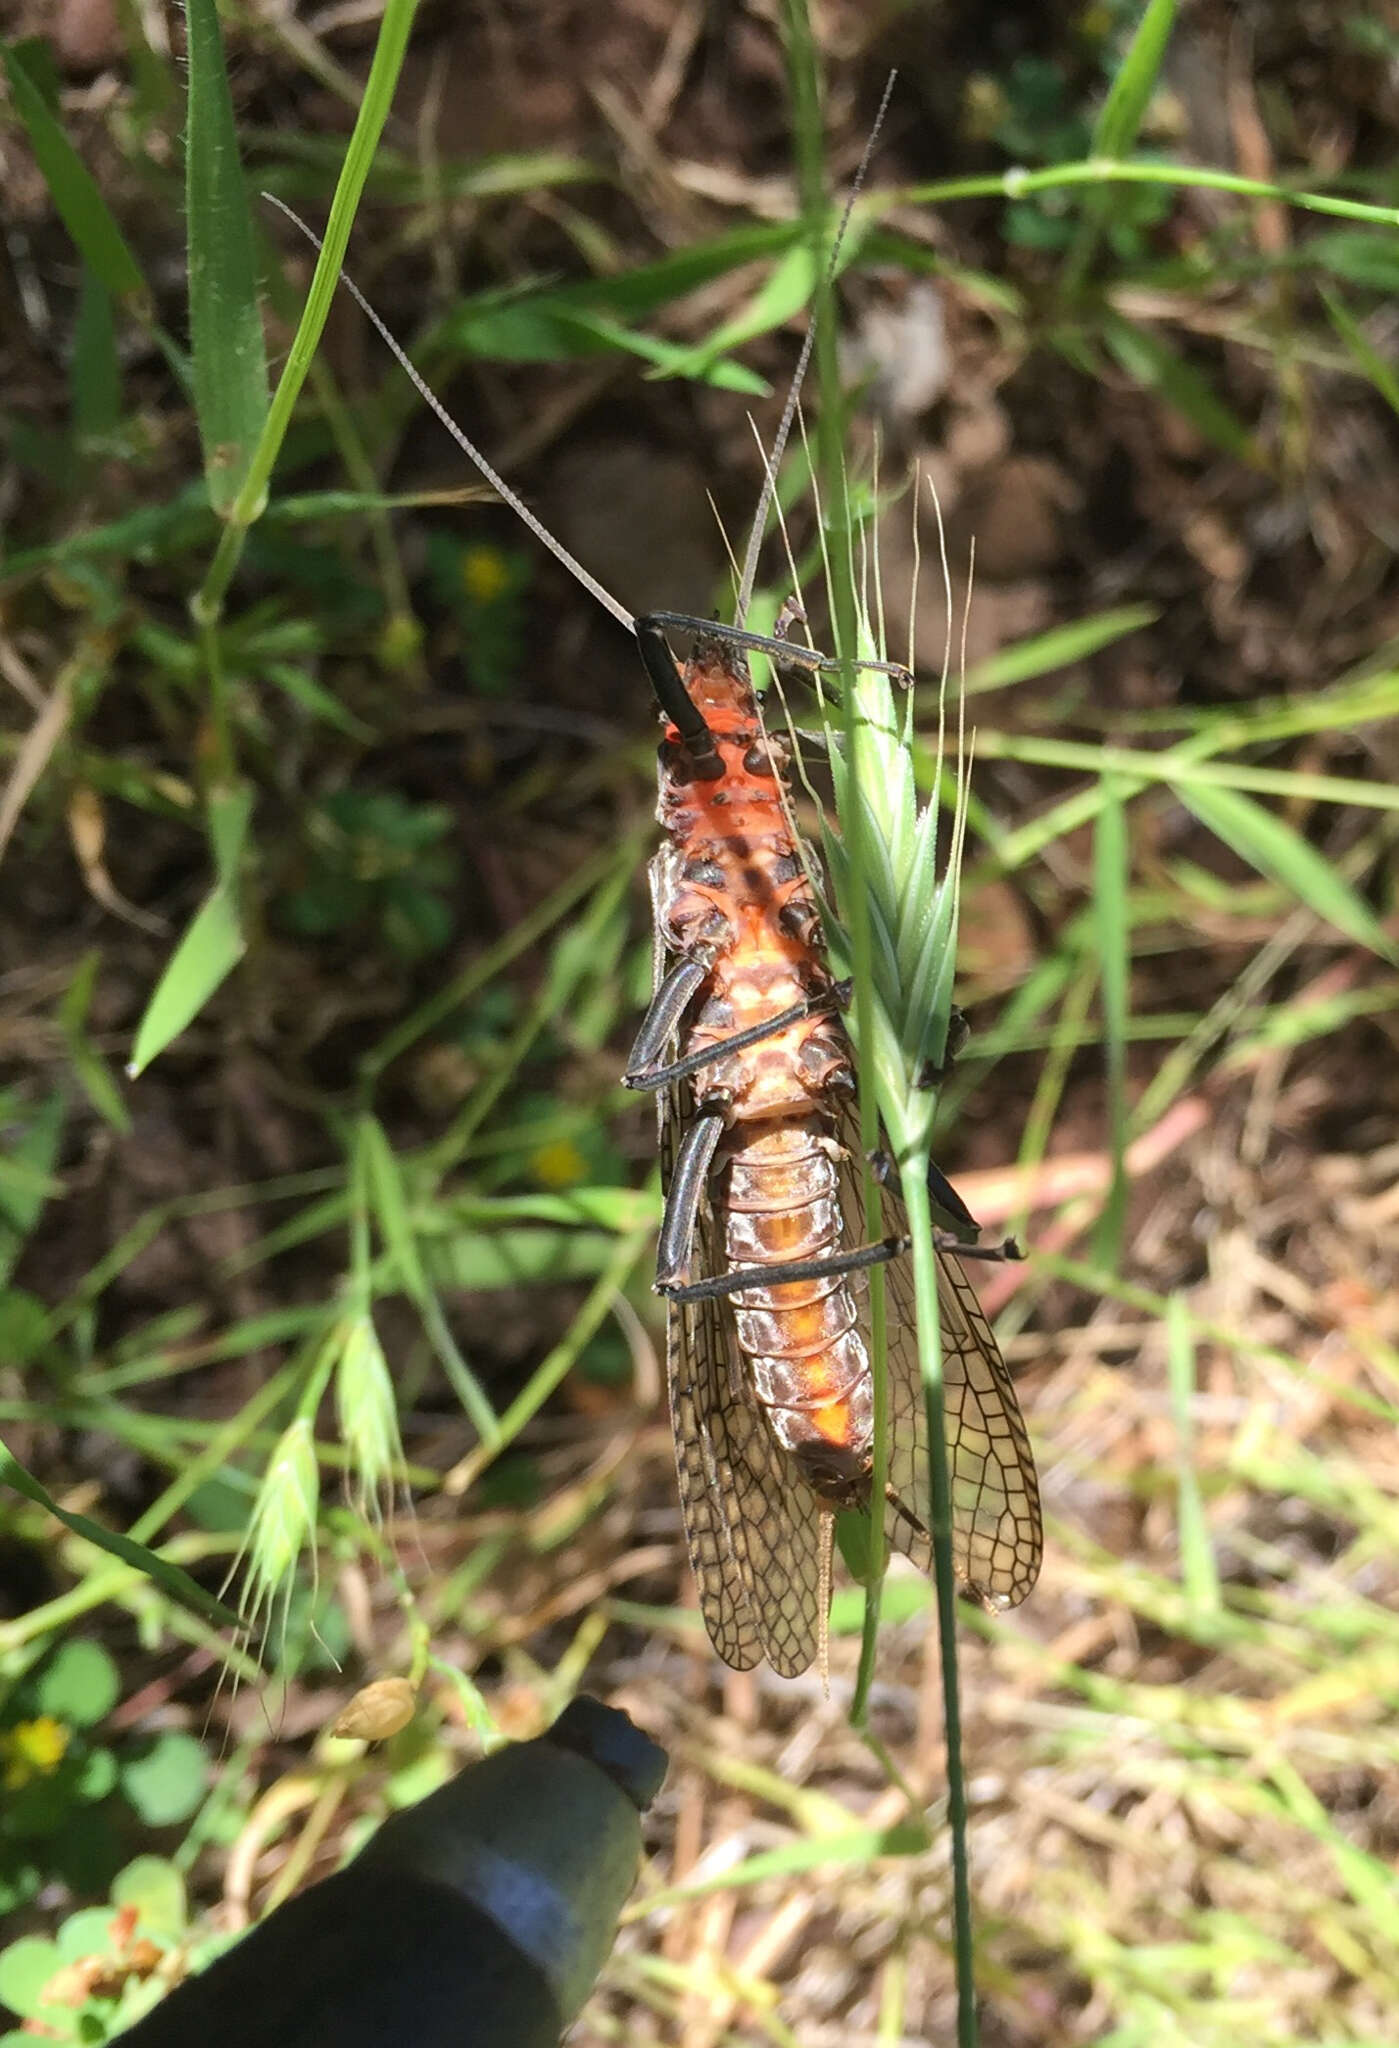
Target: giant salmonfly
<point>761,1245</point>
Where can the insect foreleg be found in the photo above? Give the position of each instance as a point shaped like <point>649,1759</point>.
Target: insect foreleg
<point>640,1075</point>
<point>682,1202</point>
<point>661,1022</point>
<point>675,700</point>
<point>784,653</point>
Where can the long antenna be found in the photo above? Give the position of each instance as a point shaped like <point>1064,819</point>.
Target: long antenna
<point>757,531</point>
<point>493,477</point>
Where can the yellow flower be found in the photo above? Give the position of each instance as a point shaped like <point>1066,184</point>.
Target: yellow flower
<point>559,1165</point>
<point>32,1749</point>
<point>484,573</point>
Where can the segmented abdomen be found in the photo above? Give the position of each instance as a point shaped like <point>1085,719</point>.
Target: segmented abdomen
<point>801,1338</point>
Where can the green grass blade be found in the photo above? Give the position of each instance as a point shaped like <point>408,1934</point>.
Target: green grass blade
<point>225,323</point>
<point>1111,875</point>
<point>169,1577</point>
<point>209,951</point>
<point>213,944</point>
<point>1372,364</point>
<point>26,1169</point>
<point>81,207</point>
<point>389,51</point>
<point>1157,367</point>
<point>383,1183</point>
<point>1198,1569</point>
<point>1130,93</point>
<point>1058,647</point>
<point>1269,844</point>
<point>94,1075</point>
<point>1115,132</point>
<point>96,373</point>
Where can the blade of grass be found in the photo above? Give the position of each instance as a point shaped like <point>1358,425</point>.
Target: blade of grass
<point>96,372</point>
<point>1157,367</point>
<point>176,1583</point>
<point>1198,1570</point>
<point>1269,844</point>
<point>1183,773</point>
<point>1111,863</point>
<point>212,946</point>
<point>1372,363</point>
<point>1116,129</point>
<point>225,322</point>
<point>81,207</point>
<point>1057,648</point>
<point>389,50</point>
<point>31,1158</point>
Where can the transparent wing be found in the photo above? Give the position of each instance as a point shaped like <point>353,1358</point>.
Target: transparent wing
<point>996,1530</point>
<point>752,1527</point>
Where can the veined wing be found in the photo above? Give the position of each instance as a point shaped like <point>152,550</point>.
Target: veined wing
<point>996,1529</point>
<point>752,1528</point>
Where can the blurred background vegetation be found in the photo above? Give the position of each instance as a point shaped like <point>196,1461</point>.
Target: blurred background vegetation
<point>328,817</point>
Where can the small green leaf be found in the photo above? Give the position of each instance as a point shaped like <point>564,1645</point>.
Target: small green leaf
<point>79,1684</point>
<point>207,954</point>
<point>167,1784</point>
<point>783,294</point>
<point>1358,255</point>
<point>225,323</point>
<point>96,1778</point>
<point>88,1932</point>
<point>1269,844</point>
<point>26,1968</point>
<point>318,702</point>
<point>156,1890</point>
<point>24,1325</point>
<point>82,208</point>
<point>212,945</point>
<point>177,1583</point>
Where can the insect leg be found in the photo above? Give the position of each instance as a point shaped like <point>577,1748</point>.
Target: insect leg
<point>682,1202</point>
<point>939,1187</point>
<point>885,1248</point>
<point>786,653</point>
<point>934,1072</point>
<point>640,1075</point>
<point>658,1026</point>
<point>1007,1253</point>
<point>778,1275</point>
<point>675,700</point>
